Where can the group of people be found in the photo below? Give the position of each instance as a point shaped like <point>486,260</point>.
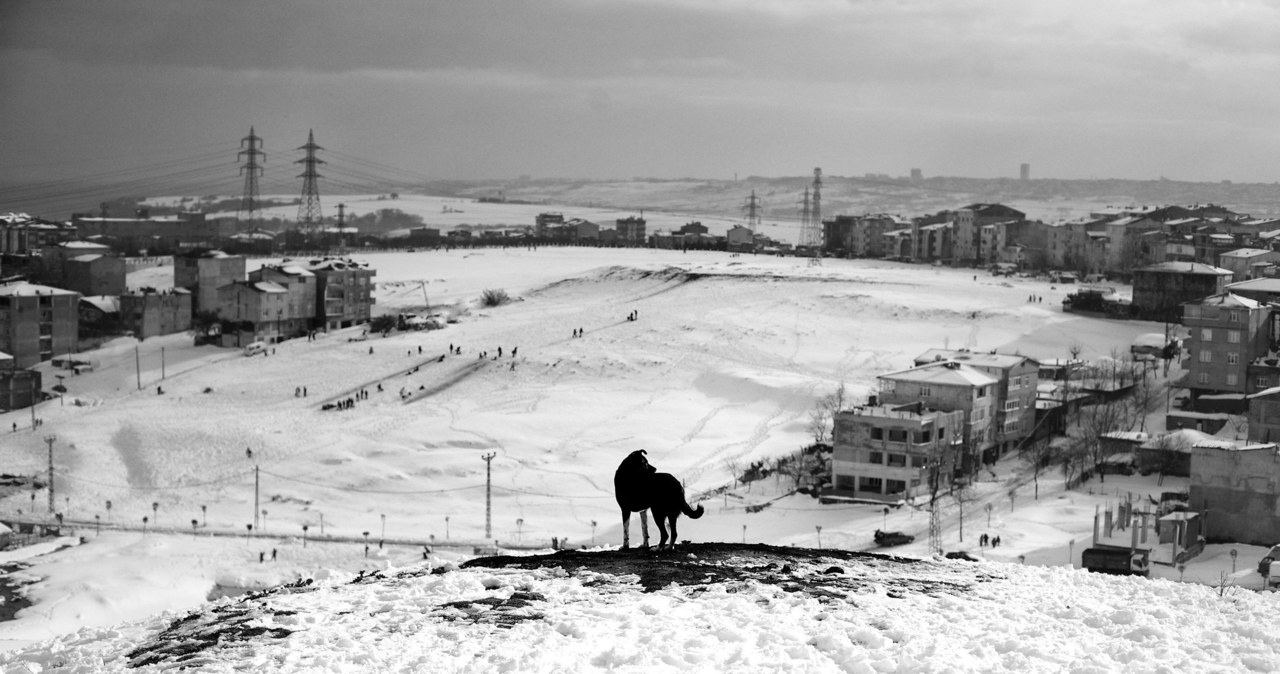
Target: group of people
<point>1034,298</point>
<point>577,332</point>
<point>635,314</point>
<point>985,539</point>
<point>300,392</point>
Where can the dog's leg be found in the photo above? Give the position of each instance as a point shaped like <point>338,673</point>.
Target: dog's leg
<point>626,529</point>
<point>662,528</point>
<point>673,530</point>
<point>644,526</point>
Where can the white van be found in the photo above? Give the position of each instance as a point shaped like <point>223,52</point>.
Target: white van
<point>255,348</point>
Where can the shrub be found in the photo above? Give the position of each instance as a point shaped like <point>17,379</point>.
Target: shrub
<point>494,298</point>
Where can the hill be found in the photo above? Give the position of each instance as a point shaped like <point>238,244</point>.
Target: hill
<point>704,607</point>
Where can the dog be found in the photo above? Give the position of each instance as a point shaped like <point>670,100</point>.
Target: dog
<point>639,487</point>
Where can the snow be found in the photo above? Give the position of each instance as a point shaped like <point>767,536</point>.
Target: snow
<point>722,367</point>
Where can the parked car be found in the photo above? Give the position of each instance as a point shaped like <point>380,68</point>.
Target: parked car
<point>961,554</point>
<point>255,348</point>
<point>1264,564</point>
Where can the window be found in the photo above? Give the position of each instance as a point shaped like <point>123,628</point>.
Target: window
<point>1233,336</point>
<point>845,482</point>
<point>895,486</point>
<point>1262,382</point>
<point>1233,358</point>
<point>1232,379</point>
<point>875,457</point>
<point>877,433</point>
<point>918,460</point>
<point>1206,356</point>
<point>874,484</point>
<point>982,391</point>
<point>924,436</point>
<point>898,460</point>
<point>1235,316</point>
<point>897,435</point>
<point>886,384</point>
<point>1012,405</point>
<point>925,392</point>
<point>1206,334</point>
<point>1203,378</point>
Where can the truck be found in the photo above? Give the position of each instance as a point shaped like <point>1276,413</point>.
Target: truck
<point>1118,561</point>
<point>887,538</point>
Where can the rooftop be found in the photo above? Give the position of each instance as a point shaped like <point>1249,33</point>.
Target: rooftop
<point>944,373</point>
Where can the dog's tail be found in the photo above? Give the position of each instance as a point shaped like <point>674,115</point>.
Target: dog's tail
<point>691,513</point>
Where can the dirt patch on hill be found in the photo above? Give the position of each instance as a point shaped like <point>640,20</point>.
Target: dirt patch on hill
<point>821,573</point>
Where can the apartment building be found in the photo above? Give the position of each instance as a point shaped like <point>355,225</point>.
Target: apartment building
<point>892,453</point>
<point>1227,332</point>
<point>950,386</point>
<point>1017,378</point>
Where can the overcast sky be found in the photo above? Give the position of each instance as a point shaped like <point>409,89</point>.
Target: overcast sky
<point>658,88</point>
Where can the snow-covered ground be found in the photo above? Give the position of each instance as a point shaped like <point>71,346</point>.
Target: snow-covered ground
<point>723,366</point>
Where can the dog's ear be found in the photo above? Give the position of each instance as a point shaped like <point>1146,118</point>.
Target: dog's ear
<point>643,452</point>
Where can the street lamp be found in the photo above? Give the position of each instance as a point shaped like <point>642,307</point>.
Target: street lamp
<point>819,528</point>
<point>384,526</point>
<point>519,527</point>
<point>593,533</point>
<point>446,527</point>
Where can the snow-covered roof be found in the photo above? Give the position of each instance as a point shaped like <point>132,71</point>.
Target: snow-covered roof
<point>1245,253</point>
<point>1267,285</point>
<point>1187,268</point>
<point>1227,299</point>
<point>109,304</point>
<point>23,288</point>
<point>1001,360</point>
<point>946,372</point>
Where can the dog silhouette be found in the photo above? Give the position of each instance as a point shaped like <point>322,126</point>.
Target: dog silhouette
<point>639,487</point>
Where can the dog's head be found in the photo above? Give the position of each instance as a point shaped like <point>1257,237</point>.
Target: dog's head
<point>636,462</point>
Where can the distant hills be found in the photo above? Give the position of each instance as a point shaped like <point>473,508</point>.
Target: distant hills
<point>1046,199</point>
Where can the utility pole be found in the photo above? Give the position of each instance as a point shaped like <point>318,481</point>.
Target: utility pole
<point>251,170</point>
<point>137,366</point>
<point>49,439</point>
<point>255,498</point>
<point>488,500</point>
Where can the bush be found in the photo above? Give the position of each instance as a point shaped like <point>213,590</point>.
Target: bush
<point>383,323</point>
<point>494,298</point>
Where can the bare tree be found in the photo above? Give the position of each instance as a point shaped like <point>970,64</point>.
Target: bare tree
<point>1038,455</point>
<point>1096,421</point>
<point>963,494</point>
<point>822,417</point>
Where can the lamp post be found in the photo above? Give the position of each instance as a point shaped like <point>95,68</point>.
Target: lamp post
<point>593,533</point>
<point>819,528</point>
<point>519,528</point>
<point>446,527</point>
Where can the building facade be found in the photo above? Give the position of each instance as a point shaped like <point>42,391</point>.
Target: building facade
<point>894,452</point>
<point>951,387</point>
<point>1227,332</point>
<point>203,273</point>
<point>151,313</point>
<point>37,322</point>
<point>1017,378</point>
<point>344,293</point>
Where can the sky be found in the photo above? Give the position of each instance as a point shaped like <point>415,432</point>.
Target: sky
<point>651,88</point>
<point>703,384</point>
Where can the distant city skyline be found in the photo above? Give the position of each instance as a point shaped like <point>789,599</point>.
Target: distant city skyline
<point>645,88</point>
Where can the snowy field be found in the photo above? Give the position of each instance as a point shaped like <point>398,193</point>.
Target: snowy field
<point>723,366</point>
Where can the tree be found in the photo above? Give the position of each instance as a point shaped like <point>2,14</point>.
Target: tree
<point>382,323</point>
<point>1038,454</point>
<point>822,417</point>
<point>1093,423</point>
<point>204,322</point>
